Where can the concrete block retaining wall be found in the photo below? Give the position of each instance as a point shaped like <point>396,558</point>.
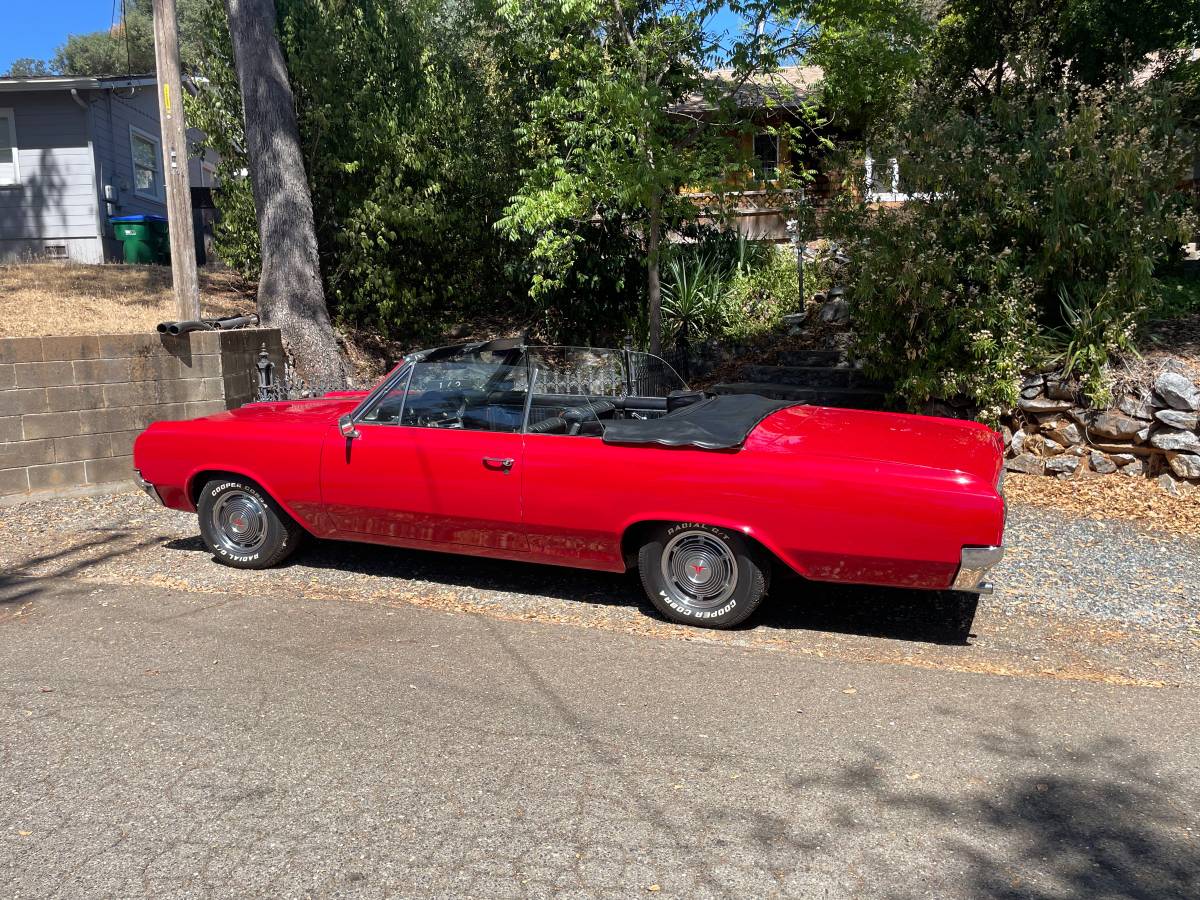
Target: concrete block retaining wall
<point>71,407</point>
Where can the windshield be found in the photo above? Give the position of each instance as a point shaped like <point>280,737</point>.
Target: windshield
<point>597,371</point>
<point>507,386</point>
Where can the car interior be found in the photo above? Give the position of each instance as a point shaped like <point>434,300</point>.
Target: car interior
<point>577,391</point>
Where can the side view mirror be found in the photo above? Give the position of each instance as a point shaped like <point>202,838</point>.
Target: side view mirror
<point>346,426</point>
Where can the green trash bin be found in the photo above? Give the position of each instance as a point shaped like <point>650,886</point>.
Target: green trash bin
<point>145,238</point>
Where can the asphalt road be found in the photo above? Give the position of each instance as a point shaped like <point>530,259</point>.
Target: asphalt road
<point>159,742</point>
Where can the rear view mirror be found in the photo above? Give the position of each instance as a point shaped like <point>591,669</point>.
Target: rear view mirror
<point>346,426</point>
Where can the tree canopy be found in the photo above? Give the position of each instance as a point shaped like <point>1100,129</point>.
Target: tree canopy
<point>126,48</point>
<point>1046,145</point>
<point>628,116</point>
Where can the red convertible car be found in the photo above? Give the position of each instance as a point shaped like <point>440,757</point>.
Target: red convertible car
<point>600,459</point>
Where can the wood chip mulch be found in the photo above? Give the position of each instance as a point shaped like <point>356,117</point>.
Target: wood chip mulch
<point>1110,497</point>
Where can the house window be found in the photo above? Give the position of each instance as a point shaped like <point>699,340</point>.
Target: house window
<point>10,172</point>
<point>766,154</point>
<point>147,164</point>
<point>883,180</point>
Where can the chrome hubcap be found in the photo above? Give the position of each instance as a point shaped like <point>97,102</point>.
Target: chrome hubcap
<point>699,569</point>
<point>241,521</point>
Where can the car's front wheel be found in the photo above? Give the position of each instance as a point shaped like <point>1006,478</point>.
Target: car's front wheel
<point>242,526</point>
<point>699,574</point>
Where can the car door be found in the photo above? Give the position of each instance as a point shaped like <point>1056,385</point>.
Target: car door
<point>436,461</point>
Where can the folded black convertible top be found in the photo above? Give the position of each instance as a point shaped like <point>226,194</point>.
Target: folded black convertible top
<point>718,423</point>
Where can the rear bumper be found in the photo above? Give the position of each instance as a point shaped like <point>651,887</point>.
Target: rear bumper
<point>974,565</point>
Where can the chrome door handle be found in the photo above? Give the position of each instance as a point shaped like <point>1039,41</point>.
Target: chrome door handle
<point>505,462</point>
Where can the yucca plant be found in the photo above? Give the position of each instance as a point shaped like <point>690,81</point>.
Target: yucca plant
<point>692,293</point>
<point>749,254</point>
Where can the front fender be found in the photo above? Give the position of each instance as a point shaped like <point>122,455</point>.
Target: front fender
<point>178,457</point>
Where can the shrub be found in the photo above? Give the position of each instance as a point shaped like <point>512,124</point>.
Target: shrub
<point>404,113</point>
<point>1177,296</point>
<point>1044,216</point>
<point>733,289</point>
<point>761,293</point>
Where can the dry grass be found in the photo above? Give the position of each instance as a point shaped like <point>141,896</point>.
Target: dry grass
<point>1110,497</point>
<point>1169,345</point>
<point>70,298</point>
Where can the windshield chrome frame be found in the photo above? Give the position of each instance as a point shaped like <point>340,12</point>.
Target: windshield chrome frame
<point>403,370</point>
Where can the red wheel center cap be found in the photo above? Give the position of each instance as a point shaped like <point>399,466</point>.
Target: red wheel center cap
<point>239,522</point>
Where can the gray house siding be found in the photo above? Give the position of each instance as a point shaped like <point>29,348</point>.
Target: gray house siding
<point>76,166</point>
<point>114,114</point>
<point>55,204</point>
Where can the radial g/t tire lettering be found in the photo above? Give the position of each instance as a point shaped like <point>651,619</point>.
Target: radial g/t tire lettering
<point>243,526</point>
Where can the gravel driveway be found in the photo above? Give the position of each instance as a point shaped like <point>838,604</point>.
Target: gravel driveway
<point>1076,599</point>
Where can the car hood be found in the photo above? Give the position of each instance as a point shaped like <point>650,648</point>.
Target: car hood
<point>928,441</point>
<point>320,410</point>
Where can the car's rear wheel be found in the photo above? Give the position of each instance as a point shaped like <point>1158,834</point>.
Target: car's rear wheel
<point>703,575</point>
<point>242,526</point>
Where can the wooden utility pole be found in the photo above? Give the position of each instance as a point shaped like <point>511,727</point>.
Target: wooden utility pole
<point>175,161</point>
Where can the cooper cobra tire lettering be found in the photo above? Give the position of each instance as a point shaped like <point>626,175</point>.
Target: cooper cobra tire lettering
<point>282,532</point>
<point>752,572</point>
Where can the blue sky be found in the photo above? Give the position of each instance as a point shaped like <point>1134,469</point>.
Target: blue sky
<point>36,29</point>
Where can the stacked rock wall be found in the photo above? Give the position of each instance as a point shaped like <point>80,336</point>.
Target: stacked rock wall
<point>1151,431</point>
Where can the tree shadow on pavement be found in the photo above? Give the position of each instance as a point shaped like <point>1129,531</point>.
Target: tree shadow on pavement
<point>20,585</point>
<point>1068,823</point>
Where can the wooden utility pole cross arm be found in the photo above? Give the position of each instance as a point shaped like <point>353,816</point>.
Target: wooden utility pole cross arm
<point>175,161</point>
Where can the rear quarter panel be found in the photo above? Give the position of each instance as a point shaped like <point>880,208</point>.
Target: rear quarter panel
<point>827,517</point>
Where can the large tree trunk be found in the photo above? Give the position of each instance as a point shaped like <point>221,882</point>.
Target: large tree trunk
<point>290,296</point>
<point>653,282</point>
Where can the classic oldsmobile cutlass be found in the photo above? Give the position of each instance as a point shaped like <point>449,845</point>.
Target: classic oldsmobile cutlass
<point>600,459</point>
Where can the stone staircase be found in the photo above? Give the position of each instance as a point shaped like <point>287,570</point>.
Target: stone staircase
<point>816,377</point>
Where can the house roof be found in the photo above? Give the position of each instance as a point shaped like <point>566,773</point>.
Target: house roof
<point>785,87</point>
<point>76,82</point>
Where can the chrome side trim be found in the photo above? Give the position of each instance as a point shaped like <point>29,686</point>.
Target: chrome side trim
<point>973,568</point>
<point>146,486</point>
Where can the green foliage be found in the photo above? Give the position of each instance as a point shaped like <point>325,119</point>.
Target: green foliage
<point>692,298</point>
<point>1091,42</point>
<point>871,52</point>
<point>217,112</point>
<point>405,113</point>
<point>424,123</point>
<point>1044,214</point>
<point>1177,297</point>
<point>730,288</point>
<point>758,296</point>
<point>605,134</point>
<point>598,133</point>
<point>28,67</point>
<point>406,123</point>
<point>1048,178</point>
<point>125,49</point>
<point>598,300</point>
<point>235,235</point>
